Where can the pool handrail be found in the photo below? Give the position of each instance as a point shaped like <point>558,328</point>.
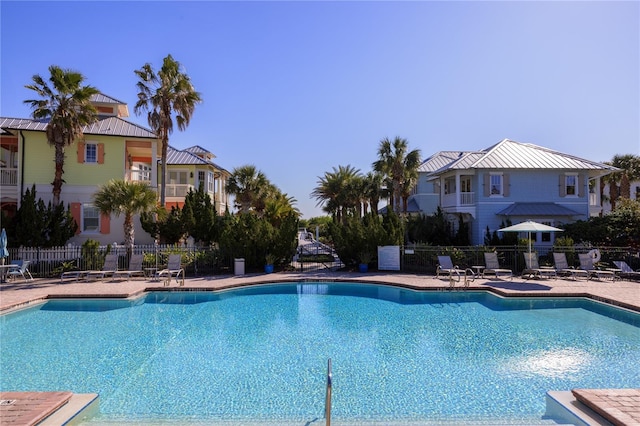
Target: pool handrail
<point>327,401</point>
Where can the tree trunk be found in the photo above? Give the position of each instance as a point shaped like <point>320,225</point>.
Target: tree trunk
<point>129,232</point>
<point>59,171</point>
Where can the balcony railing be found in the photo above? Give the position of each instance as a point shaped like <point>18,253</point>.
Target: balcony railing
<point>466,199</point>
<point>139,175</point>
<point>177,190</point>
<point>8,176</point>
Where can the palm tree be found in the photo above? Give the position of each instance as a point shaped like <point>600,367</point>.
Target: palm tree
<point>630,171</point>
<point>250,187</point>
<point>162,94</point>
<point>338,191</point>
<point>128,198</point>
<point>399,165</point>
<point>373,191</point>
<point>66,103</point>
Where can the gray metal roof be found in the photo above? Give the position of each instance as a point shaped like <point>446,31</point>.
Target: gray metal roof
<point>175,156</point>
<point>110,126</point>
<point>439,160</point>
<point>508,154</point>
<point>537,209</point>
<point>101,98</point>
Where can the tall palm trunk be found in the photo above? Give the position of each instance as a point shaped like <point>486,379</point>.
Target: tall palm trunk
<point>59,171</point>
<point>129,233</point>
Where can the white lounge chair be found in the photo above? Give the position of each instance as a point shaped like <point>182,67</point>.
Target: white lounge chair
<point>586,263</point>
<point>492,266</point>
<point>109,268</point>
<point>21,270</point>
<point>563,268</point>
<point>174,269</point>
<point>446,267</point>
<point>534,270</point>
<point>135,268</point>
<point>626,271</point>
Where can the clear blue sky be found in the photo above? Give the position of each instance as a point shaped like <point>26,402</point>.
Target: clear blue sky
<point>297,88</point>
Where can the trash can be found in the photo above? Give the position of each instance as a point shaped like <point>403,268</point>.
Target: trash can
<point>238,266</point>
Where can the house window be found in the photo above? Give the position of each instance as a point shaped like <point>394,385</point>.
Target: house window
<point>571,184</point>
<point>90,218</point>
<point>465,184</point>
<point>91,153</point>
<point>495,182</point>
<point>210,183</point>
<point>201,181</point>
<point>177,178</point>
<point>449,186</point>
<point>545,237</point>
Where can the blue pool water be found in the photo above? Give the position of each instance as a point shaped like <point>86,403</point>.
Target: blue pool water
<point>261,353</point>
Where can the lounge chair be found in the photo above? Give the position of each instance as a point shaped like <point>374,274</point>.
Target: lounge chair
<point>492,266</point>
<point>135,268</point>
<point>533,269</point>
<point>446,267</point>
<point>563,268</point>
<point>174,269</point>
<point>586,263</point>
<point>626,271</point>
<point>110,267</point>
<point>22,270</point>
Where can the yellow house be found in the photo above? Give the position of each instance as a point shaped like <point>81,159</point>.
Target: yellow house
<point>112,148</point>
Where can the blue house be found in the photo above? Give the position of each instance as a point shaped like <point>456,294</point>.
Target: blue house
<point>509,181</point>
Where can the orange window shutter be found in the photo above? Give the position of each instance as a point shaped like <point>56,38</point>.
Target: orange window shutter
<point>105,224</point>
<point>81,152</point>
<point>76,212</point>
<point>100,153</point>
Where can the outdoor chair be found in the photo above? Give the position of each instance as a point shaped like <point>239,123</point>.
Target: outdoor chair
<point>21,270</point>
<point>626,271</point>
<point>533,269</point>
<point>563,268</point>
<point>135,268</point>
<point>586,263</point>
<point>110,267</point>
<point>492,266</point>
<point>446,267</point>
<point>174,269</point>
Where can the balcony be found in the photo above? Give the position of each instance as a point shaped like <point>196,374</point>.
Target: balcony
<point>177,190</point>
<point>139,175</point>
<point>8,176</point>
<point>466,199</point>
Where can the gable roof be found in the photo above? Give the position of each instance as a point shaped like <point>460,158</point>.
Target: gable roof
<point>109,126</point>
<point>186,157</point>
<point>508,154</point>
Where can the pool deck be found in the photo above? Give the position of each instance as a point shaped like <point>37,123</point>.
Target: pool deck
<point>620,407</point>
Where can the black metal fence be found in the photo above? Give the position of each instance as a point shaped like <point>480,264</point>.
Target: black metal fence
<point>198,262</point>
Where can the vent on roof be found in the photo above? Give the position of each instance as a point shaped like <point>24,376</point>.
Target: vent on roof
<point>7,401</point>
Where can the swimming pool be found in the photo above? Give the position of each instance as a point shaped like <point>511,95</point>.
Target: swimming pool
<point>261,353</point>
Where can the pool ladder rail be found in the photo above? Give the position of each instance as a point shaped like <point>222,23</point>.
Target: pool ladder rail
<point>327,400</point>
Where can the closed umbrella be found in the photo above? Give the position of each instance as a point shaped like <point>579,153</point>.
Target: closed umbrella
<point>3,245</point>
<point>3,250</point>
<point>529,227</point>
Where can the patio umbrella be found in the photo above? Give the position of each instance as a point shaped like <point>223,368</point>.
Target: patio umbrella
<point>529,227</point>
<point>3,250</point>
<point>3,245</point>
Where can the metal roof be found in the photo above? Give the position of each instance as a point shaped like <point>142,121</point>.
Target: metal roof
<point>101,98</point>
<point>508,154</point>
<point>175,156</point>
<point>110,126</point>
<point>537,209</point>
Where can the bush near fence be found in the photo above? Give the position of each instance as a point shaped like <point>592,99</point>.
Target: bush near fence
<point>198,262</point>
